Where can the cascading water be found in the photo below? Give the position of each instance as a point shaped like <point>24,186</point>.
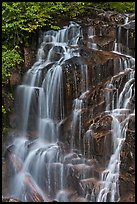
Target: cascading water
<point>46,170</point>
<point>50,106</point>
<point>110,176</point>
<point>91,34</point>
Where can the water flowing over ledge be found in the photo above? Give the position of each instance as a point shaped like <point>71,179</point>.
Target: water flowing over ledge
<point>78,116</point>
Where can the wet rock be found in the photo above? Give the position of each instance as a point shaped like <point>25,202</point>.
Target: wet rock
<point>55,179</point>
<point>105,42</point>
<point>126,37</point>
<point>100,143</point>
<point>51,52</point>
<point>87,186</point>
<point>72,74</point>
<point>6,177</point>
<point>29,57</point>
<point>15,79</point>
<point>99,108</point>
<point>32,192</point>
<point>92,162</point>
<point>79,199</point>
<point>69,157</point>
<point>127,168</point>
<point>100,62</point>
<point>81,171</point>
<point>57,53</point>
<point>131,17</point>
<point>12,119</point>
<point>65,195</point>
<point>130,25</point>
<point>46,49</point>
<point>127,188</point>
<point>10,200</point>
<point>128,152</point>
<point>72,181</point>
<point>131,123</point>
<point>112,16</point>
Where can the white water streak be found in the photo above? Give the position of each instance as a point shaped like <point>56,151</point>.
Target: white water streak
<point>110,176</point>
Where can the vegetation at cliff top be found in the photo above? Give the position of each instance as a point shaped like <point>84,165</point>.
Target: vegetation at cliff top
<point>21,19</point>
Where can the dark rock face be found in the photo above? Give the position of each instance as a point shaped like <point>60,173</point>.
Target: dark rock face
<point>127,41</point>
<point>127,177</point>
<point>15,79</point>
<point>29,57</point>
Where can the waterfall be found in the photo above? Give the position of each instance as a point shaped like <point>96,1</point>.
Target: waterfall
<point>47,170</point>
<point>110,176</point>
<point>91,34</point>
<point>50,106</point>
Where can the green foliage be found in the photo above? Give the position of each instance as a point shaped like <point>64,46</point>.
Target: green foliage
<point>3,109</point>
<point>115,6</point>
<point>20,18</point>
<point>123,6</point>
<point>10,59</point>
<point>29,16</point>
